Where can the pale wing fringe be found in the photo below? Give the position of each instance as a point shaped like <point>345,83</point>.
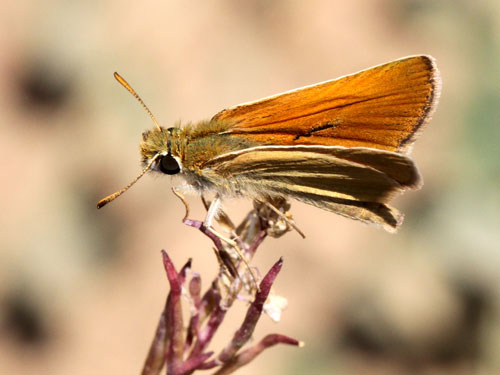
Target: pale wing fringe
<point>379,214</point>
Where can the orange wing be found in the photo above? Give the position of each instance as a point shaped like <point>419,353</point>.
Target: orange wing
<point>382,107</point>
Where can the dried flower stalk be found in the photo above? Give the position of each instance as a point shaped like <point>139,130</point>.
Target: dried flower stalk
<point>183,349</point>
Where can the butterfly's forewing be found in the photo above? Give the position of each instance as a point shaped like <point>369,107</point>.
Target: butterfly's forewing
<point>381,107</point>
<point>353,182</point>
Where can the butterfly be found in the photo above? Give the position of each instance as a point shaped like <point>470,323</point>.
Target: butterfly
<point>341,145</point>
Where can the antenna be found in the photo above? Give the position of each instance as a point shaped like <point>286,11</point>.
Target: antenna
<point>129,88</point>
<point>113,196</point>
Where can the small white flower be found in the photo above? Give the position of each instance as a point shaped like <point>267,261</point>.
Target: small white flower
<point>274,306</point>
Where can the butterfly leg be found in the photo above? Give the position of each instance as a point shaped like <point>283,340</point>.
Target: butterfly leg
<point>275,217</point>
<point>212,211</point>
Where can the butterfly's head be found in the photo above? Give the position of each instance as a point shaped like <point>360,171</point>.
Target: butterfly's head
<point>161,149</point>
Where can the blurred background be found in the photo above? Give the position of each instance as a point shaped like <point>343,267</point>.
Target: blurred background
<point>81,290</point>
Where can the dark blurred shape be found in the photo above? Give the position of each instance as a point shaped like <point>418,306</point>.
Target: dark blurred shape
<point>255,10</point>
<point>372,334</point>
<point>476,306</point>
<point>102,228</point>
<point>408,9</point>
<point>43,87</point>
<point>23,320</point>
<point>412,8</point>
<point>406,15</point>
<point>358,337</point>
<point>267,14</point>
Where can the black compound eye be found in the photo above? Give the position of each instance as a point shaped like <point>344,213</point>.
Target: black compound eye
<point>169,165</point>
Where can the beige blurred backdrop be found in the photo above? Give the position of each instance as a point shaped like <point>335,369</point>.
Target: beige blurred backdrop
<point>81,290</point>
